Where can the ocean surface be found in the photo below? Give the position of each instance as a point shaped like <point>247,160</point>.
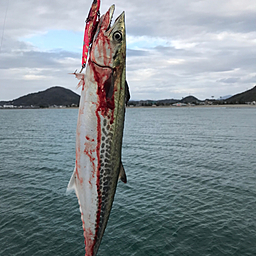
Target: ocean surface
<point>191,184</point>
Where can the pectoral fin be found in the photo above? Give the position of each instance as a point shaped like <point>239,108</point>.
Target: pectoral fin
<point>122,175</point>
<point>127,93</point>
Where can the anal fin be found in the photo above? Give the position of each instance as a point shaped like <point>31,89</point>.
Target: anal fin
<point>71,184</point>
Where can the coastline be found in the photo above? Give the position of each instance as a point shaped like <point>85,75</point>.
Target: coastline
<point>201,106</point>
<point>131,107</point>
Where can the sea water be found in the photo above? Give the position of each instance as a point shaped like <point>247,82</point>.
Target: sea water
<point>191,186</point>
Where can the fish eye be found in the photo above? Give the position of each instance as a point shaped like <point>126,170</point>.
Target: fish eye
<point>117,36</point>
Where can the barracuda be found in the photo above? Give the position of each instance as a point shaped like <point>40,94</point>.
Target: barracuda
<point>100,128</point>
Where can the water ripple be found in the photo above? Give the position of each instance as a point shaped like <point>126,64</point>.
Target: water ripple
<point>190,191</point>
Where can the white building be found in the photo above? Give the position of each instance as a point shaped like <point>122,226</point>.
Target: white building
<point>8,106</point>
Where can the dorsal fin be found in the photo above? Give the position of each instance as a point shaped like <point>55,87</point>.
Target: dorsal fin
<point>122,175</point>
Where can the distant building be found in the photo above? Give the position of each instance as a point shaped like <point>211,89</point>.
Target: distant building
<point>179,104</point>
<point>8,106</point>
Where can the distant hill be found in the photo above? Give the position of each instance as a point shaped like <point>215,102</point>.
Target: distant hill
<point>53,96</point>
<point>241,98</point>
<point>60,96</point>
<point>190,99</point>
<point>165,102</point>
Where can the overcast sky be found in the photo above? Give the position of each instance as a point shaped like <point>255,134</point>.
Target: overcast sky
<point>174,48</point>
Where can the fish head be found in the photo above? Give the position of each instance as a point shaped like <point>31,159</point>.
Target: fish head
<point>109,44</point>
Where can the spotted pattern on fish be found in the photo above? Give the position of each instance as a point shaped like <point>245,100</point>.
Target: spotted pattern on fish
<point>106,173</point>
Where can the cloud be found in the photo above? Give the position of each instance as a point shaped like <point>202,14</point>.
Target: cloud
<point>176,48</point>
<point>229,80</point>
<point>132,53</point>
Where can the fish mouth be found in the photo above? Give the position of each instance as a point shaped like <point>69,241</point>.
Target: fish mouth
<point>106,20</point>
<point>111,11</point>
<point>104,49</point>
<point>119,19</point>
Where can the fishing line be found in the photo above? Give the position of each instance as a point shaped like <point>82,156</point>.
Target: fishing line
<point>4,25</point>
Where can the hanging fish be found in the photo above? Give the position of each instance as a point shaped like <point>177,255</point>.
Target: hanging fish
<point>100,128</point>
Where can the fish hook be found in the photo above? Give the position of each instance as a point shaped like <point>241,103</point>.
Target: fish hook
<point>82,68</point>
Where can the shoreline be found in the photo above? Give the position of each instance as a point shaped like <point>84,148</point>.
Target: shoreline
<point>201,106</point>
<point>131,107</point>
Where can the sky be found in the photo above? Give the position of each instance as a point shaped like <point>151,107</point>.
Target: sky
<point>175,48</point>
